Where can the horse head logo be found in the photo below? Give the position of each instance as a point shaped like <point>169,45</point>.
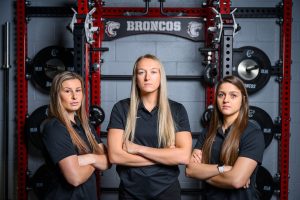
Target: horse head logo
<point>249,53</point>
<point>194,28</point>
<point>111,27</point>
<point>251,113</point>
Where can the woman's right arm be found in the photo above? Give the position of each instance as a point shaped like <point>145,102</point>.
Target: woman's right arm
<point>116,153</point>
<point>59,147</point>
<point>73,172</point>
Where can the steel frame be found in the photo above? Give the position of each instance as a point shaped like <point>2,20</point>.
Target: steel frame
<point>224,6</point>
<point>209,91</point>
<point>241,12</point>
<point>22,89</point>
<point>22,98</point>
<point>81,58</point>
<point>82,54</point>
<point>93,92</point>
<point>153,12</point>
<point>285,100</point>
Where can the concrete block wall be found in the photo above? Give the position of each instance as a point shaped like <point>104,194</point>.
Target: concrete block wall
<point>180,57</point>
<point>295,106</point>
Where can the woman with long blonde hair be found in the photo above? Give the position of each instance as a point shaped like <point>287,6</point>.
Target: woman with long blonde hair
<point>149,136</point>
<point>73,150</point>
<point>227,154</point>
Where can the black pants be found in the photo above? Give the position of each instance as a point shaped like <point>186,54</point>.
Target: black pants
<point>173,192</point>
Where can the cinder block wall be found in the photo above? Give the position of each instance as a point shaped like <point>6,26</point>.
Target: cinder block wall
<point>180,57</point>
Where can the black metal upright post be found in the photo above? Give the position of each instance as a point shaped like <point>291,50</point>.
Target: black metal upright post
<point>5,67</point>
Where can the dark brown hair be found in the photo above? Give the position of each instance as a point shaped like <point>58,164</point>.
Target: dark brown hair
<point>230,147</point>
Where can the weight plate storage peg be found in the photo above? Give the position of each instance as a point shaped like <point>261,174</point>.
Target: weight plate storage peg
<point>47,63</point>
<point>253,66</point>
<point>263,120</point>
<point>34,126</point>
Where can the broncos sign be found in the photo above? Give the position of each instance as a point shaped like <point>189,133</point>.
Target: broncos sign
<point>189,28</point>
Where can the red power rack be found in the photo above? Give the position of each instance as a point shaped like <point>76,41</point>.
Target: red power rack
<point>22,97</point>
<point>21,48</point>
<point>285,100</point>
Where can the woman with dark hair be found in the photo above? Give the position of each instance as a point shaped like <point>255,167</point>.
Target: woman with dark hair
<point>227,154</point>
<point>73,149</point>
<point>149,136</point>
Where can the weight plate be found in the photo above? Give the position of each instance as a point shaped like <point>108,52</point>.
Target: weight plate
<point>42,181</point>
<point>253,66</point>
<point>248,69</point>
<point>206,116</point>
<point>97,115</point>
<point>33,125</point>
<point>262,119</point>
<point>210,74</point>
<point>264,183</point>
<point>47,63</point>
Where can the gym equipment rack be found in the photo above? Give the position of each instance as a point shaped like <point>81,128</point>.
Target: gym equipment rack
<point>23,12</point>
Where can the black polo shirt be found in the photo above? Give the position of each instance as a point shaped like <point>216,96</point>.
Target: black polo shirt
<point>147,182</point>
<point>58,145</point>
<point>251,146</point>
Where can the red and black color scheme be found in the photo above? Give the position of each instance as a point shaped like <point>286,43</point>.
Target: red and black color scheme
<point>22,98</point>
<point>286,32</point>
<point>88,55</point>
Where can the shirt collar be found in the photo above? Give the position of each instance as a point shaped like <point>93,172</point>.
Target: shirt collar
<point>142,107</point>
<point>77,122</point>
<point>225,133</point>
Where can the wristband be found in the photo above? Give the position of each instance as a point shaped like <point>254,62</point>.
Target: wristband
<point>220,168</point>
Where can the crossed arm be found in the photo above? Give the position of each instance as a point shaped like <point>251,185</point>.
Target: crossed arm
<point>132,154</point>
<point>234,177</point>
<point>77,169</point>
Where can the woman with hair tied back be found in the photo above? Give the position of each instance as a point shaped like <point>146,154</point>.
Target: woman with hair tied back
<point>73,150</point>
<point>228,152</point>
<point>149,136</point>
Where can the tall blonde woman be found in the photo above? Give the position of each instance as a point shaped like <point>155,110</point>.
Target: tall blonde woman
<point>72,148</point>
<point>149,136</point>
<point>227,154</point>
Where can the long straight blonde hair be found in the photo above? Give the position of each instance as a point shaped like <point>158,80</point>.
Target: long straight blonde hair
<point>229,151</point>
<point>57,110</point>
<point>166,125</point>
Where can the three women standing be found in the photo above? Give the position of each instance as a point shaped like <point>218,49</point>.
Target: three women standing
<point>148,137</point>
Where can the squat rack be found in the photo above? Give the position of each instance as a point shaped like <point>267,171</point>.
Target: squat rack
<point>94,77</point>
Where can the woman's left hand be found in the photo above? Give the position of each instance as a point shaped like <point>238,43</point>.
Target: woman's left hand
<point>196,156</point>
